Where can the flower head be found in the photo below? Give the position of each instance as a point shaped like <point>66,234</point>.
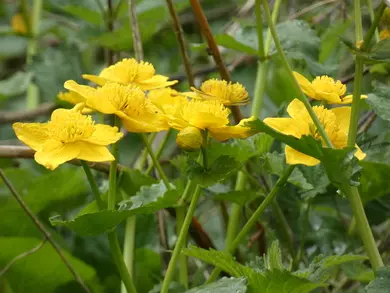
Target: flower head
<point>167,100</point>
<point>18,24</point>
<point>68,135</point>
<point>334,121</point>
<point>227,93</point>
<point>128,102</point>
<point>208,115</point>
<point>129,71</point>
<point>325,88</point>
<point>190,138</point>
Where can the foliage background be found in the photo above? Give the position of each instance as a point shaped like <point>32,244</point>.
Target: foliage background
<point>73,38</point>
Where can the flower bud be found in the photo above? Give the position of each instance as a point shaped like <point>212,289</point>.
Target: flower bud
<point>190,138</point>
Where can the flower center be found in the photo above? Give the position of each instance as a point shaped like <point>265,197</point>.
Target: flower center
<point>224,90</point>
<point>70,126</point>
<point>328,121</point>
<point>328,85</point>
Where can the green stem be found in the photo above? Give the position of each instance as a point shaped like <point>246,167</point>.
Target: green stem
<point>259,29</point>
<point>155,161</point>
<point>364,229</point>
<point>160,149</point>
<point>287,67</point>
<point>374,20</point>
<point>92,183</point>
<point>183,272</point>
<point>32,99</point>
<point>141,162</point>
<point>180,241</point>
<point>374,25</point>
<point>358,21</point>
<point>129,245</point>
<point>303,227</point>
<point>119,262</point>
<point>113,171</point>
<point>255,216</point>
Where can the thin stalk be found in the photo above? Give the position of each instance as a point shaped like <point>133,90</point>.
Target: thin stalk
<point>93,185</point>
<point>373,28</point>
<point>255,217</point>
<point>129,246</point>
<point>177,28</point>
<point>113,171</point>
<point>160,150</point>
<point>155,161</point>
<point>183,268</point>
<point>286,230</point>
<point>372,16</point>
<point>135,32</point>
<point>358,21</point>
<point>180,241</point>
<point>287,67</point>
<point>259,29</point>
<point>119,262</point>
<point>208,35</point>
<point>139,164</point>
<point>43,230</point>
<point>32,99</point>
<point>364,229</point>
<point>362,224</point>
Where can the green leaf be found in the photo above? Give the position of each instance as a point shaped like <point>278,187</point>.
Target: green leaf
<point>269,281</point>
<point>229,42</point>
<point>358,271</point>
<point>273,259</point>
<point>317,177</point>
<point>380,51</point>
<point>12,46</point>
<point>322,267</point>
<point>15,85</point>
<point>224,285</point>
<point>131,181</point>
<point>83,13</point>
<point>382,282</point>
<point>148,199</point>
<point>379,100</point>
<point>373,182</point>
<point>147,269</point>
<point>240,197</point>
<point>42,269</point>
<point>219,170</point>
<point>276,165</point>
<point>241,149</point>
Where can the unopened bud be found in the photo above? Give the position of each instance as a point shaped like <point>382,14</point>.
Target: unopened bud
<point>190,138</point>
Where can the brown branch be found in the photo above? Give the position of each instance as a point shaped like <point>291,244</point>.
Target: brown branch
<point>366,122</point>
<point>135,32</point>
<point>208,35</point>
<point>180,39</point>
<point>41,227</point>
<point>24,115</point>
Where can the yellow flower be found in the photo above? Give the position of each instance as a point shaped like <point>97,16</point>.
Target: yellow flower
<point>74,98</point>
<point>68,135</point>
<point>384,34</point>
<point>325,88</point>
<point>18,24</point>
<point>211,116</point>
<point>129,71</point>
<point>168,101</point>
<point>335,122</point>
<point>227,93</point>
<point>128,102</point>
<point>190,138</point>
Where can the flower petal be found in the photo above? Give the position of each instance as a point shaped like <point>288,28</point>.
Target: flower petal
<point>32,134</point>
<point>96,79</point>
<point>157,81</point>
<point>135,125</point>
<point>236,131</point>
<point>305,85</point>
<point>284,125</point>
<point>205,120</point>
<point>296,109</point>
<point>104,135</point>
<point>92,152</point>
<point>83,90</point>
<point>331,98</point>
<point>359,153</point>
<point>55,153</point>
<point>343,116</point>
<point>348,99</point>
<point>293,157</point>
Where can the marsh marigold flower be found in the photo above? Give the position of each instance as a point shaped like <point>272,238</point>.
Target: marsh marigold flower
<point>18,24</point>
<point>196,115</point>
<point>227,93</point>
<point>128,102</point>
<point>129,71</point>
<point>334,121</point>
<point>68,135</point>
<point>168,101</point>
<point>325,88</point>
